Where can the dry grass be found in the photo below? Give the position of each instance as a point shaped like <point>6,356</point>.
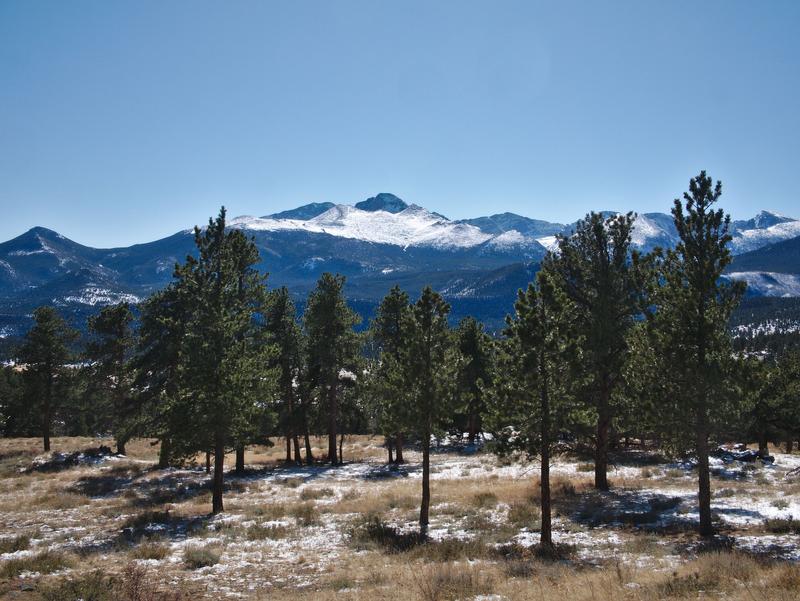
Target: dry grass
<point>150,550</point>
<point>195,557</point>
<point>45,562</point>
<point>290,533</point>
<point>12,545</point>
<point>446,582</point>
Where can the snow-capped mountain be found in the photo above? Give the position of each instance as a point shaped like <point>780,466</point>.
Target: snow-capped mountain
<point>386,219</point>
<point>395,224</point>
<point>478,263</point>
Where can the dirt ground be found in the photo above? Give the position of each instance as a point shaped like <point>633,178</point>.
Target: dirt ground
<point>120,527</point>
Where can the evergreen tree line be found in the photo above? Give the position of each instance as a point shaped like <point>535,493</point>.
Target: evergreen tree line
<point>605,347</point>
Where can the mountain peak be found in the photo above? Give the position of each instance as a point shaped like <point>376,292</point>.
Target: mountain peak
<point>763,220</point>
<point>766,219</point>
<point>303,213</point>
<point>383,202</point>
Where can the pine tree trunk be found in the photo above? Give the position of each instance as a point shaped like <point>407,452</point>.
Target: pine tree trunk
<point>46,414</point>
<point>763,444</point>
<point>288,448</point>
<point>472,427</point>
<point>164,453</point>
<point>333,418</point>
<point>601,446</point>
<point>218,481</point>
<point>424,509</point>
<point>703,473</point>
<point>297,458</point>
<point>240,459</point>
<point>389,446</point>
<point>341,444</point>
<point>546,525</point>
<point>309,454</point>
<point>398,458</point>
<point>46,428</point>
<point>208,462</point>
<point>789,445</point>
<point>121,446</point>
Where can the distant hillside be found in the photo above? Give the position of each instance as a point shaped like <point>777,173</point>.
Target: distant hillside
<point>780,257</point>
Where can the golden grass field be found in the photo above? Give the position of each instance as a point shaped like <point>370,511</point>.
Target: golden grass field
<point>120,528</point>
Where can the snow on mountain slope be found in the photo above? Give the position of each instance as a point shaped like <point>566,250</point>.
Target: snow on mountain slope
<point>96,295</point>
<point>752,239</point>
<point>413,226</point>
<point>769,283</point>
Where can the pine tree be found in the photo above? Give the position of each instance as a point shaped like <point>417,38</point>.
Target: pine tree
<point>387,332</point>
<point>223,389</point>
<point>759,384</point>
<point>45,353</point>
<point>688,329</point>
<point>602,279</point>
<point>332,348</point>
<point>15,418</point>
<point>530,401</point>
<point>426,367</point>
<point>109,351</point>
<point>788,389</point>
<point>157,365</point>
<point>476,349</point>
<point>284,332</point>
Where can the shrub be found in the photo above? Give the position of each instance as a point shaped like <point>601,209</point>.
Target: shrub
<point>94,586</point>
<point>310,494</point>
<point>45,562</point>
<point>524,514</point>
<point>370,531</point>
<point>150,550</point>
<point>484,499</point>
<point>11,545</point>
<point>305,514</point>
<point>783,525</point>
<point>449,549</point>
<point>201,557</point>
<point>141,520</point>
<point>134,584</point>
<point>262,531</point>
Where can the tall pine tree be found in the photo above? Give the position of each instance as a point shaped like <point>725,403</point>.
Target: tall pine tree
<point>689,328</point>
<point>602,279</point>
<point>530,400</point>
<point>224,391</point>
<point>44,353</point>
<point>426,367</point>
<point>475,374</point>
<point>332,348</point>
<point>283,331</point>
<point>109,352</point>
<point>388,333</point>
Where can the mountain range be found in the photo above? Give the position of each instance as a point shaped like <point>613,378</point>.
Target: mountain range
<point>478,264</point>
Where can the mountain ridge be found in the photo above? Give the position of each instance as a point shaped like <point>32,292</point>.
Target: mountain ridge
<point>375,243</point>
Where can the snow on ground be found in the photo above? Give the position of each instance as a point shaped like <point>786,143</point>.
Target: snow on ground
<point>646,500</point>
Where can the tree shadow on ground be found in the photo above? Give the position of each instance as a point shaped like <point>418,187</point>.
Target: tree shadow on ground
<point>642,510</point>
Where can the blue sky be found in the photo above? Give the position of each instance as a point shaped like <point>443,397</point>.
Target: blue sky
<point>123,122</point>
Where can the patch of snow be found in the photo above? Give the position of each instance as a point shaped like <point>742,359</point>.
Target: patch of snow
<point>769,283</point>
<point>549,242</point>
<point>94,295</point>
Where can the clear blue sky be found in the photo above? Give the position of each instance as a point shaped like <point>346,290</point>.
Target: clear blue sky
<point>122,122</point>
